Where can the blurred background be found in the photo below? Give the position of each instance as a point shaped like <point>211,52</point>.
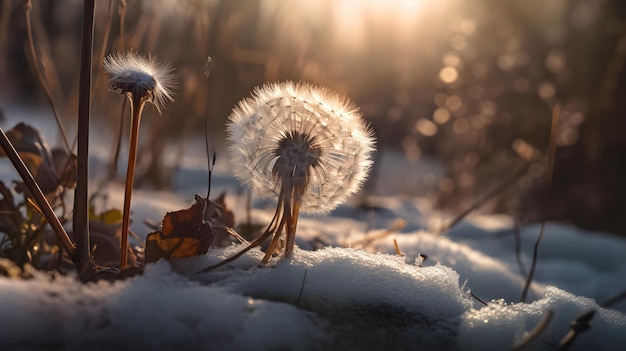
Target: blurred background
<point>461,94</point>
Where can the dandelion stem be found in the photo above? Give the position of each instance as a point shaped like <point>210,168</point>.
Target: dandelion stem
<point>252,244</point>
<point>269,231</point>
<point>272,248</point>
<point>282,207</point>
<point>136,107</point>
<point>291,233</point>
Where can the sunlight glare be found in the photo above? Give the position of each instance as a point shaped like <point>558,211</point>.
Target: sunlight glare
<point>352,18</point>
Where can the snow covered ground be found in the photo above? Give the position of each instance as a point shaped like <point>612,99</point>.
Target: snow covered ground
<point>354,293</point>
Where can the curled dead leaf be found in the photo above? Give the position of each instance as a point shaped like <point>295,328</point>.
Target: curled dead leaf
<point>183,233</point>
<point>50,169</point>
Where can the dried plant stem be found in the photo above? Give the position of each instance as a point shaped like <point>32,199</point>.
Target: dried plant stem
<point>81,207</point>
<point>615,299</point>
<point>275,225</point>
<point>121,10</point>
<point>231,232</point>
<point>531,273</point>
<point>27,8</point>
<point>518,248</point>
<point>534,334</point>
<point>5,16</point>
<point>105,42</point>
<point>556,112</point>
<point>107,32</point>
<point>292,224</point>
<point>302,287</point>
<point>275,241</point>
<point>497,189</point>
<point>289,222</point>
<point>477,298</point>
<point>578,326</point>
<point>368,239</point>
<point>36,192</point>
<point>207,74</point>
<point>397,248</point>
<point>136,107</point>
<point>549,173</point>
<point>118,143</point>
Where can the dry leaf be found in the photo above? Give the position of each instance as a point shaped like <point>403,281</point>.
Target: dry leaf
<point>44,165</point>
<point>183,233</point>
<point>9,213</point>
<point>112,216</point>
<point>104,233</point>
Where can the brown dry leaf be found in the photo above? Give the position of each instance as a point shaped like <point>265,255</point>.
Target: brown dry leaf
<point>105,242</point>
<point>104,232</point>
<point>9,213</point>
<point>36,154</point>
<point>183,233</point>
<point>65,166</point>
<point>110,216</point>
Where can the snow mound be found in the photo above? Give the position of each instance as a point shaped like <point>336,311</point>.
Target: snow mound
<point>502,325</point>
<point>333,298</point>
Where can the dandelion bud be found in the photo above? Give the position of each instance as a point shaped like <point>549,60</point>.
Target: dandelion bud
<point>143,79</point>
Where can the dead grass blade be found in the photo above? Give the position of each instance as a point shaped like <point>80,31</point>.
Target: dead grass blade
<point>550,170</point>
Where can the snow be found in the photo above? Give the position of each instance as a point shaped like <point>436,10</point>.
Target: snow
<point>343,296</point>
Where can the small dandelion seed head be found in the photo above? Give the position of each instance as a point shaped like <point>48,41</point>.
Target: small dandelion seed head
<point>300,137</point>
<point>141,77</point>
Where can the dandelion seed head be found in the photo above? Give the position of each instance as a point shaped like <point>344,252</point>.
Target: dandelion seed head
<point>141,77</point>
<point>301,137</point>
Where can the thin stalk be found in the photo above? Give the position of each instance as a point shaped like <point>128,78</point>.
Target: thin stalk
<point>271,229</point>
<point>535,333</point>
<point>252,244</point>
<point>477,298</point>
<point>272,247</point>
<point>81,208</point>
<point>531,273</point>
<point>107,32</point>
<point>302,287</point>
<point>207,74</point>
<point>5,16</point>
<point>105,42</point>
<point>275,240</point>
<point>518,248</point>
<point>549,173</point>
<point>556,113</point>
<point>136,106</point>
<point>291,231</point>
<point>121,10</point>
<point>27,8</point>
<point>38,195</point>
<point>615,299</point>
<point>497,189</point>
<point>283,206</point>
<point>118,143</point>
